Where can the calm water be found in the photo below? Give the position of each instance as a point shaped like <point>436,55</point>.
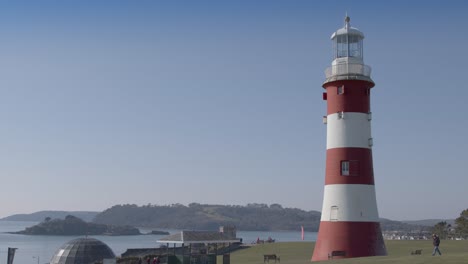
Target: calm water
<point>44,247</point>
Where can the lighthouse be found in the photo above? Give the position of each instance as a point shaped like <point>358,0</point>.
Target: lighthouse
<point>349,225</point>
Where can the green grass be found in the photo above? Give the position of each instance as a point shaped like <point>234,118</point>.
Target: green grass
<point>398,252</point>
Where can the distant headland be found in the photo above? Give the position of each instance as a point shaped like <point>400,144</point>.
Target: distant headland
<point>73,226</point>
<point>87,216</point>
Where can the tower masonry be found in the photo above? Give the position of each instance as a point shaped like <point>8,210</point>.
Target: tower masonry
<point>349,225</point>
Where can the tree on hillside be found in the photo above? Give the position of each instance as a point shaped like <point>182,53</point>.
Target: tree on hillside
<point>276,206</point>
<point>461,222</point>
<point>441,229</point>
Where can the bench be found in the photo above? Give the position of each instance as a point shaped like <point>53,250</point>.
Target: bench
<point>266,258</point>
<point>416,252</point>
<point>336,253</point>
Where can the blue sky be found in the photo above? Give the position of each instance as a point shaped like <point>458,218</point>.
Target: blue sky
<point>164,102</point>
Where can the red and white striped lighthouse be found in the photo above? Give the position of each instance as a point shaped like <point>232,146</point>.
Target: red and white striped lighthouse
<point>349,226</point>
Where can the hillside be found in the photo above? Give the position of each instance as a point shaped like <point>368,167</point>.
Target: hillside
<point>391,225</point>
<point>210,217</point>
<point>253,217</point>
<point>41,215</point>
<point>196,216</point>
<point>429,222</point>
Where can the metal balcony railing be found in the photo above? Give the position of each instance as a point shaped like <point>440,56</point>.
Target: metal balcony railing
<point>348,69</point>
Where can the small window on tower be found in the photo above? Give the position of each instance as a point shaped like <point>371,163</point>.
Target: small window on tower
<point>350,167</point>
<point>345,167</point>
<point>367,91</point>
<point>334,213</point>
<point>340,115</point>
<point>340,89</point>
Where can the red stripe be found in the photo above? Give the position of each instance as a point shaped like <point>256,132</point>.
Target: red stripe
<point>357,239</point>
<point>354,99</point>
<point>361,166</point>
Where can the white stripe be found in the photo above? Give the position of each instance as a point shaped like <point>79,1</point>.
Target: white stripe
<point>353,130</point>
<point>350,202</point>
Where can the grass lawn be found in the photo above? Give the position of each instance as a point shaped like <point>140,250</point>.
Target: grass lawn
<point>398,252</point>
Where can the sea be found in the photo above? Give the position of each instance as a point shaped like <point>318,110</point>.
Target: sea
<point>40,249</point>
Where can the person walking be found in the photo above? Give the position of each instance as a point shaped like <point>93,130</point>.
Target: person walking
<point>436,243</point>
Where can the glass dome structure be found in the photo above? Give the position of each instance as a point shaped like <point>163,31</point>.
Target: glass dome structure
<point>82,251</point>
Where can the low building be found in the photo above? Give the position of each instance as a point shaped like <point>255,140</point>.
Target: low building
<point>190,247</point>
<point>202,246</point>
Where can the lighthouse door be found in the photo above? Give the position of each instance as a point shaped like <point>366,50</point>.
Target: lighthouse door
<point>334,213</point>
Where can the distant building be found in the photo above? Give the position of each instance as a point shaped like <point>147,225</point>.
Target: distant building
<point>201,246</point>
<point>190,247</point>
<point>229,230</point>
<point>200,237</point>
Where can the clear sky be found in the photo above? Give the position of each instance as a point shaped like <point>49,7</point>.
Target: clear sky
<point>162,102</point>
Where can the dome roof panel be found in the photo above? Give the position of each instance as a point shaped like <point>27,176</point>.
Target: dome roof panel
<point>347,31</point>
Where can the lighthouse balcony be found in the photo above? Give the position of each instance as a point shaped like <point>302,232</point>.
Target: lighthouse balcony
<point>347,71</point>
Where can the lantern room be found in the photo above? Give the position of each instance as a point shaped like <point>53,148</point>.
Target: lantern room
<point>347,44</point>
<point>348,55</point>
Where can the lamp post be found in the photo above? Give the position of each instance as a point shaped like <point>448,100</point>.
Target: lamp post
<point>36,258</point>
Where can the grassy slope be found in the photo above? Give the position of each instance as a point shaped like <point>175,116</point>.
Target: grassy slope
<point>398,252</point>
